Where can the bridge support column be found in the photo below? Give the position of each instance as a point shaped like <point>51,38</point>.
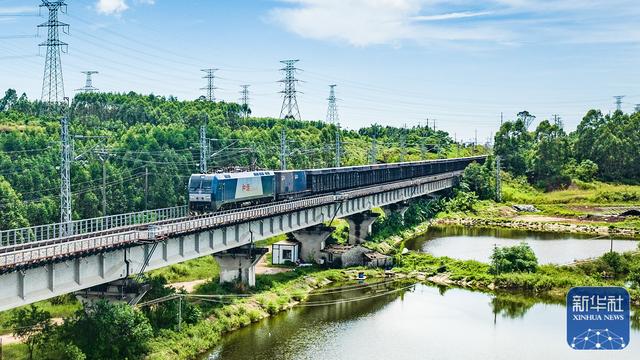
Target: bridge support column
<point>400,208</point>
<point>360,226</point>
<point>239,264</point>
<point>312,241</point>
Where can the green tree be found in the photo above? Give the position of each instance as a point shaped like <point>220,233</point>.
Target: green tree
<point>106,331</point>
<point>550,155</point>
<point>512,144</point>
<point>518,258</point>
<point>30,324</point>
<point>13,211</point>
<point>479,179</point>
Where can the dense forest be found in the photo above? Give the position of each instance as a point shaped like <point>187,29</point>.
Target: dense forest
<point>154,139</point>
<point>603,147</point>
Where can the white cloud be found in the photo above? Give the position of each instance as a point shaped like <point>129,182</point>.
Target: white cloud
<point>371,22</point>
<point>464,22</point>
<point>117,7</point>
<point>111,7</point>
<point>18,10</point>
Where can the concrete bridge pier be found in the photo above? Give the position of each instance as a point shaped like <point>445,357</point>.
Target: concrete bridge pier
<point>312,241</point>
<point>360,226</point>
<point>239,264</point>
<point>400,208</point>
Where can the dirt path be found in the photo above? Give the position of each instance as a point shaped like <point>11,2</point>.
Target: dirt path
<point>262,268</point>
<point>8,339</point>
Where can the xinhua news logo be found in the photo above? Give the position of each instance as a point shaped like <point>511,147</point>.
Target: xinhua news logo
<point>598,318</point>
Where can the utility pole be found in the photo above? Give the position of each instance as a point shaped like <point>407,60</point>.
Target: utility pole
<point>403,142</point>
<point>52,82</point>
<point>475,142</point>
<point>103,156</point>
<point>332,118</point>
<point>374,152</point>
<point>244,100</point>
<point>619,102</point>
<point>65,179</point>
<point>498,181</point>
<point>434,125</point>
<point>203,149</point>
<point>501,118</point>
<point>210,76</point>
<point>283,149</point>
<point>290,108</point>
<point>179,312</point>
<point>146,188</point>
<point>88,85</point>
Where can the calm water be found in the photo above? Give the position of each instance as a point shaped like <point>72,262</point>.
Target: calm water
<point>475,243</point>
<point>421,322</point>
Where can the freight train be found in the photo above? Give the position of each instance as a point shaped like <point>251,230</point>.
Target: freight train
<point>212,192</point>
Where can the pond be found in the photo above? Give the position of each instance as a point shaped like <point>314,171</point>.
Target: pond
<point>416,322</point>
<point>468,243</point>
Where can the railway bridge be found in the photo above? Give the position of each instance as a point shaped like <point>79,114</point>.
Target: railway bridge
<point>39,263</point>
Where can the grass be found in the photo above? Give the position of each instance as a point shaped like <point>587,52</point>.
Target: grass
<point>15,352</point>
<point>65,309</point>
<point>201,268</point>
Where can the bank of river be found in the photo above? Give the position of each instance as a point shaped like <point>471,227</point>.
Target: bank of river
<point>477,243</point>
<point>421,322</point>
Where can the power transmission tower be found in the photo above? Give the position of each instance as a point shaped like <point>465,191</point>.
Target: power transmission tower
<point>332,118</point>
<point>203,149</point>
<point>619,102</point>
<point>557,120</point>
<point>290,108</point>
<point>244,100</point>
<point>88,85</point>
<point>210,76</point>
<point>52,83</point>
<point>65,179</point>
<point>283,150</point>
<point>637,108</point>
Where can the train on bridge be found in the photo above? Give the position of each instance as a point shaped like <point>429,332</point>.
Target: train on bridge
<point>212,192</point>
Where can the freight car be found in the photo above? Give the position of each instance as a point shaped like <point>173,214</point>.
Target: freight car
<point>212,192</point>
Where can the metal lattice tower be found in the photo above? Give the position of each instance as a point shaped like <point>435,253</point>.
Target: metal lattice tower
<point>373,153</point>
<point>203,149</point>
<point>637,108</point>
<point>619,102</point>
<point>332,118</point>
<point>52,82</point>
<point>210,88</point>
<point>403,142</point>
<point>557,120</point>
<point>65,179</point>
<point>244,100</point>
<point>290,108</point>
<point>88,86</point>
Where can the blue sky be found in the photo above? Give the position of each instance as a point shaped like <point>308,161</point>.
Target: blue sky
<point>461,62</point>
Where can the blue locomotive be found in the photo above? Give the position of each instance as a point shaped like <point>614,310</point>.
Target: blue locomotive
<point>212,192</point>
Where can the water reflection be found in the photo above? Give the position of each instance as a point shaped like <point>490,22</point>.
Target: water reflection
<point>477,243</point>
<point>419,322</point>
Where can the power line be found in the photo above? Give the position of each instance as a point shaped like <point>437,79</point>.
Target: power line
<point>290,108</point>
<point>52,83</point>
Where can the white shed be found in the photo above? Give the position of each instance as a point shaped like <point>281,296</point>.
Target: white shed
<point>284,251</point>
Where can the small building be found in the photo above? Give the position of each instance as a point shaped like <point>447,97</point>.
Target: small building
<point>376,259</point>
<point>285,251</point>
<point>354,255</point>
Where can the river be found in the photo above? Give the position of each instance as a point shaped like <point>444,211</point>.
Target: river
<point>419,322</point>
<point>469,243</point>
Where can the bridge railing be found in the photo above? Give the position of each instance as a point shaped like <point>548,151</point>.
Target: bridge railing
<point>87,226</point>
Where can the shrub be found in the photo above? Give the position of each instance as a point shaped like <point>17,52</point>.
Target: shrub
<point>519,258</point>
<point>586,170</point>
<point>634,276</point>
